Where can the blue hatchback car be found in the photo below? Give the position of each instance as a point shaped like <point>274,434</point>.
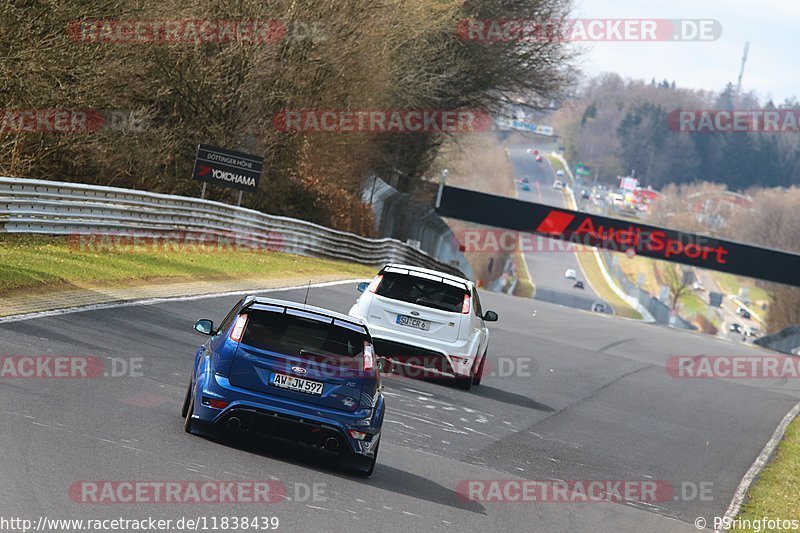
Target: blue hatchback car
<point>281,369</point>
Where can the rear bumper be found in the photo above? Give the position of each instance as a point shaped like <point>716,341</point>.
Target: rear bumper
<point>455,359</point>
<point>275,417</point>
<point>421,361</point>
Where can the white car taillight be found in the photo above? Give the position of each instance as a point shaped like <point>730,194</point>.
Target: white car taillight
<point>238,328</point>
<point>373,286</point>
<point>465,306</point>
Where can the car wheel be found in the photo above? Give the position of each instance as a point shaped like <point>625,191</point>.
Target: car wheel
<point>371,465</point>
<point>465,383</point>
<point>188,424</point>
<point>476,379</point>
<point>186,398</point>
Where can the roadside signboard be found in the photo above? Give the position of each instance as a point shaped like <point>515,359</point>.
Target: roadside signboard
<point>227,168</point>
<point>621,235</point>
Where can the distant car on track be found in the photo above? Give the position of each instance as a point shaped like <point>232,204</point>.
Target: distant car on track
<point>578,285</point>
<point>558,185</point>
<point>736,328</point>
<point>526,187</point>
<point>751,331</point>
<point>539,159</point>
<point>560,173</point>
<point>283,369</point>
<point>570,273</point>
<point>599,307</point>
<point>428,321</point>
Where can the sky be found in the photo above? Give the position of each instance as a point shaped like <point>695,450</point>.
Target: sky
<point>769,25</point>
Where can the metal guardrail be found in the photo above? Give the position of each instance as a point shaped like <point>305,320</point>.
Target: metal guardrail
<point>61,208</point>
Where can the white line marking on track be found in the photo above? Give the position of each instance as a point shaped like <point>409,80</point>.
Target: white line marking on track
<point>759,464</point>
<point>154,301</point>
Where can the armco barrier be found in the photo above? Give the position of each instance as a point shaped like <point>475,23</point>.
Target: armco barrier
<point>398,215</point>
<point>60,208</point>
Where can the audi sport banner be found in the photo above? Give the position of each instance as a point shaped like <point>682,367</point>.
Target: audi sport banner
<point>621,235</point>
<point>227,168</point>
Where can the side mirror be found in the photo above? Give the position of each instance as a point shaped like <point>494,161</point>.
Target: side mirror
<point>385,366</point>
<point>490,316</point>
<point>204,326</point>
<point>362,286</point>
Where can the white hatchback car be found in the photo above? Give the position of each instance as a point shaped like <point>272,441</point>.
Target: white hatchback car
<point>428,321</point>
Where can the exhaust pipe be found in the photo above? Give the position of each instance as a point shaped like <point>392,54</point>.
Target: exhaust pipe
<point>234,423</point>
<point>331,444</point>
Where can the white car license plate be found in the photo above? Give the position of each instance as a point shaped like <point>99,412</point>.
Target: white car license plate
<point>297,384</point>
<point>412,322</point>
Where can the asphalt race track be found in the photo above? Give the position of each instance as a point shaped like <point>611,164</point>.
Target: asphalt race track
<point>572,396</point>
<point>547,267</point>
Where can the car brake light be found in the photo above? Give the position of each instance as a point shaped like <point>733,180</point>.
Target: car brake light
<point>465,305</point>
<point>369,357</point>
<point>373,286</point>
<point>238,328</point>
<point>216,404</point>
<point>358,435</point>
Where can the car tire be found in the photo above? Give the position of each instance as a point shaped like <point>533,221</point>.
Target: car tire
<point>476,378</point>
<point>186,398</point>
<point>465,383</point>
<point>188,424</point>
<point>371,465</point>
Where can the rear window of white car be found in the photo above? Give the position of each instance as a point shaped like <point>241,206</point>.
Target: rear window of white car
<point>422,291</point>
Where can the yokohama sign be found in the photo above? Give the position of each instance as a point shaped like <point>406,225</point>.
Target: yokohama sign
<point>621,235</point>
<point>234,170</point>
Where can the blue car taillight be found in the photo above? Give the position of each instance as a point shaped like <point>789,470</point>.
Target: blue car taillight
<point>358,435</point>
<point>216,404</point>
<point>238,328</point>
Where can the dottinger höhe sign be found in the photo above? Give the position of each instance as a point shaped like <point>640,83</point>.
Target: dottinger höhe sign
<point>227,168</point>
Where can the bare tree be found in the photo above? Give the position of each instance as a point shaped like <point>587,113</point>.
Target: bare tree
<point>678,279</point>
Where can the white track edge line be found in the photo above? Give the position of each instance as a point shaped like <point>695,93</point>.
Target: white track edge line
<point>757,466</point>
<point>158,300</point>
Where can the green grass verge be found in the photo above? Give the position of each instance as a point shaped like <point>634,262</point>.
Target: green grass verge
<point>691,304</point>
<point>556,164</point>
<point>594,276</point>
<point>525,287</point>
<point>776,492</point>
<point>731,284</point>
<point>33,261</point>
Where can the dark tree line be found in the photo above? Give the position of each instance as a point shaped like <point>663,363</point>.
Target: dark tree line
<point>624,125</point>
<point>336,54</point>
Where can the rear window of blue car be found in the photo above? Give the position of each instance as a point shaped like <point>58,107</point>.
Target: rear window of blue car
<point>302,336</point>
